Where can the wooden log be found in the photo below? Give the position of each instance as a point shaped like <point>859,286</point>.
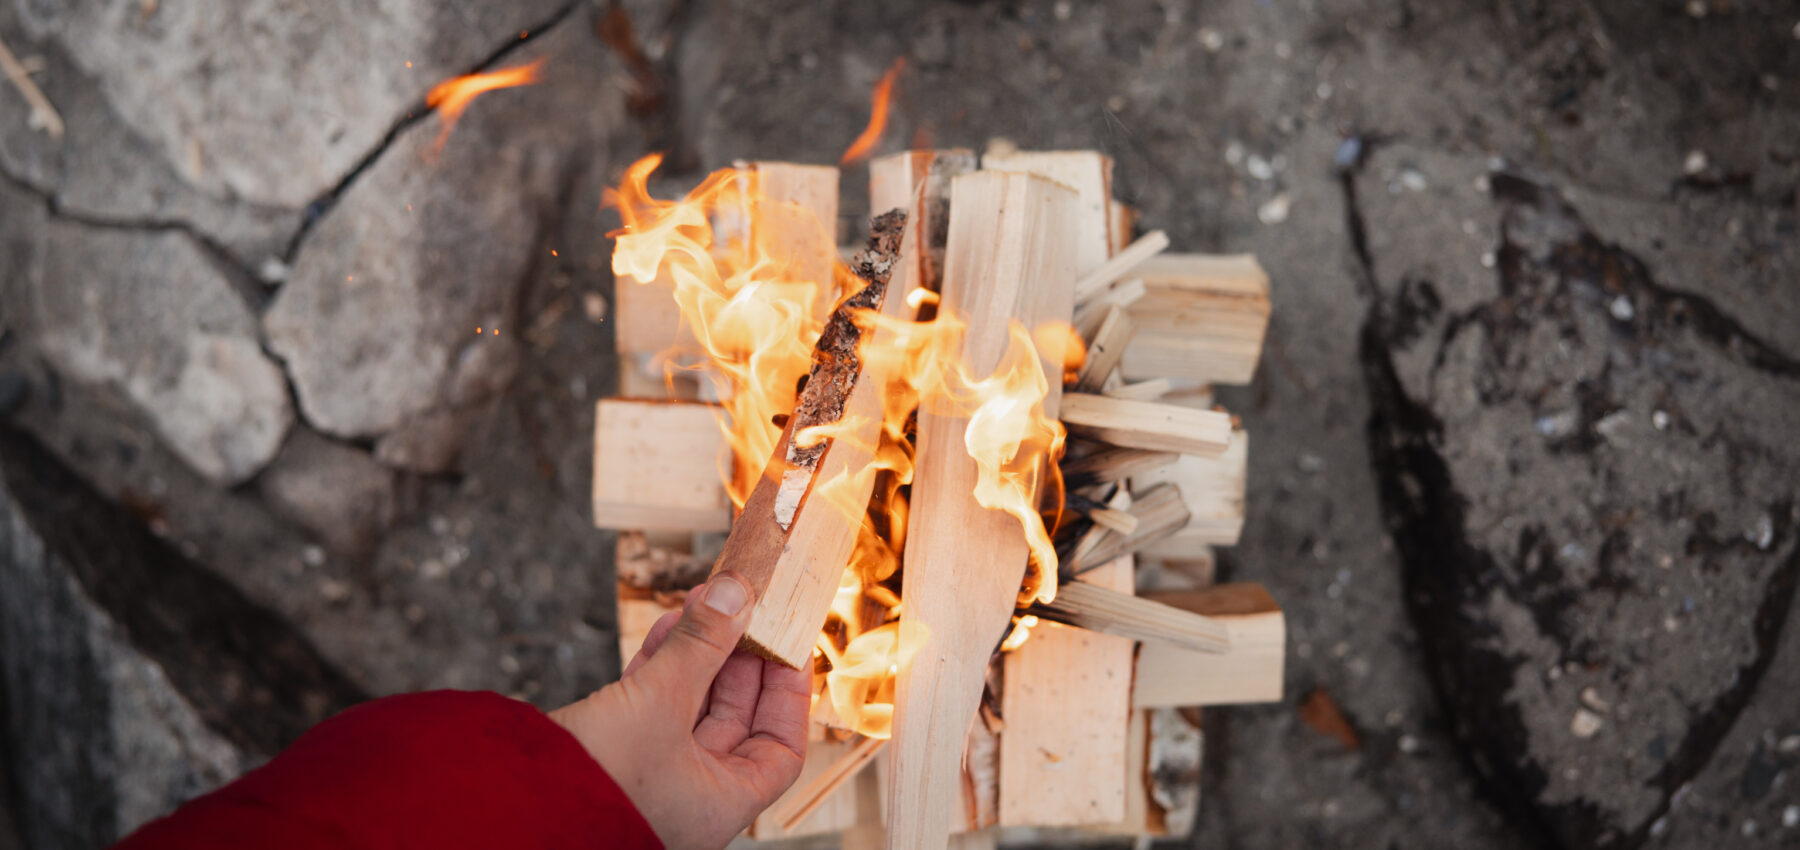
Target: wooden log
<point>1202,317</point>
<point>1159,512</point>
<point>1212,489</point>
<point>1105,347</point>
<point>1146,620</point>
<point>658,465</point>
<point>792,540</point>
<point>1101,278</point>
<point>1009,258</point>
<point>1250,671</point>
<point>1147,425</point>
<point>1068,714</point>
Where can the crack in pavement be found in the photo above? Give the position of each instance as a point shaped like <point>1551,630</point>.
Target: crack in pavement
<point>413,114</point>
<point>242,278</point>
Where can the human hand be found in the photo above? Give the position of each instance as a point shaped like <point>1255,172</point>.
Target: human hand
<point>700,735</point>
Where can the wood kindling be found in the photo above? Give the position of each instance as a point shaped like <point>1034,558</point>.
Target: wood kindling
<point>792,548</point>
<point>1119,265</point>
<point>1068,716</point>
<point>1104,349</point>
<point>1147,425</point>
<point>1160,513</point>
<point>1211,488</point>
<point>1111,464</point>
<point>1009,257</point>
<point>1251,671</point>
<point>796,806</point>
<point>1088,316</point>
<point>1150,390</point>
<point>1111,612</point>
<point>658,465</point>
<point>1203,317</point>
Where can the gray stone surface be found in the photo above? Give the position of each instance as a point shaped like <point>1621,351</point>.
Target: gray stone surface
<point>1585,638</point>
<point>378,323</point>
<point>98,740</point>
<point>149,315</point>
<point>264,100</point>
<point>336,492</point>
<point>102,171</point>
<point>133,678</point>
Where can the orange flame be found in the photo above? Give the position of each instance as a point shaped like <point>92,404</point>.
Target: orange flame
<point>752,313</point>
<point>454,95</point>
<point>878,113</point>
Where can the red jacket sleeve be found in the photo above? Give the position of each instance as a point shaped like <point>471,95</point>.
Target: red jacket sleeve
<point>431,770</point>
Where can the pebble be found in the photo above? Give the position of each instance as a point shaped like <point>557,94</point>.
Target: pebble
<point>1557,425</point>
<point>1409,744</point>
<point>312,556</point>
<point>432,569</point>
<point>334,590</point>
<point>440,525</point>
<point>1349,153</point>
<point>1659,420</point>
<point>1212,40</point>
<point>1612,426</point>
<point>273,271</point>
<point>1789,745</point>
<point>508,664</point>
<point>1413,180</point>
<point>1790,817</point>
<point>1483,184</point>
<point>1283,50</point>
<point>1764,533</point>
<point>594,305</point>
<point>1323,91</point>
<point>1695,162</point>
<point>1621,309</point>
<point>1591,699</point>
<point>1259,168</point>
<point>1748,829</point>
<point>1275,211</point>
<point>1585,723</point>
<point>1234,153</point>
<point>1487,260</point>
<point>415,613</point>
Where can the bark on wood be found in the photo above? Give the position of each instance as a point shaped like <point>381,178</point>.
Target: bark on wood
<point>790,548</point>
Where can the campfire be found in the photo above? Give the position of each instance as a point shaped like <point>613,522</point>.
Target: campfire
<point>938,458</point>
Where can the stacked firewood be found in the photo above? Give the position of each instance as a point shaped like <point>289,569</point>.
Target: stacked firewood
<point>1085,720</point>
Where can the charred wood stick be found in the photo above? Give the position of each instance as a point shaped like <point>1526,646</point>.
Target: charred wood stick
<point>1113,464</point>
<point>1112,612</point>
<point>791,542</point>
<point>1123,522</point>
<point>1160,512</point>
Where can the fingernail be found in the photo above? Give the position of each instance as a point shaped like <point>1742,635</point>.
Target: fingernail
<point>726,595</point>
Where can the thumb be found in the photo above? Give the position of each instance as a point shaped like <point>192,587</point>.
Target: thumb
<point>684,666</point>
